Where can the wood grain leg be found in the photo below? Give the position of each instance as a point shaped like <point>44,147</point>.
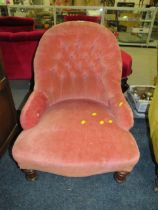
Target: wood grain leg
<point>30,175</point>
<point>120,177</point>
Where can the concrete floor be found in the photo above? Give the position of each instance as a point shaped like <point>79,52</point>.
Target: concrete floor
<point>144,65</point>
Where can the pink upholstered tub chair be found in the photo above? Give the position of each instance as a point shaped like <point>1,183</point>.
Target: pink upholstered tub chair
<point>76,121</point>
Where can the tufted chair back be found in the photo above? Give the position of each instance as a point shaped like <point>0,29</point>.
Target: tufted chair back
<point>76,60</point>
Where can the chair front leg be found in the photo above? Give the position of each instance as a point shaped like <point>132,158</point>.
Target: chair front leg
<point>30,175</point>
<point>120,177</point>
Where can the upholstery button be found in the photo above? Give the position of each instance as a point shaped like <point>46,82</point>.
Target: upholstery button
<point>101,122</point>
<point>93,114</point>
<point>83,122</point>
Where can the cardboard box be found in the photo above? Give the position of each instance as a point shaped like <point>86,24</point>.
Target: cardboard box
<point>140,30</point>
<point>87,3</point>
<point>79,2</point>
<point>141,96</point>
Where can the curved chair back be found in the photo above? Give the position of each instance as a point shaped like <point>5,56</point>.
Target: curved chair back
<point>78,60</point>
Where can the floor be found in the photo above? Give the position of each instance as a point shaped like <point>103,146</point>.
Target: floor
<point>144,70</point>
<point>19,90</point>
<point>144,65</point>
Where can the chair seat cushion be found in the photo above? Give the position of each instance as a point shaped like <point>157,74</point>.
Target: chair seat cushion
<point>76,138</point>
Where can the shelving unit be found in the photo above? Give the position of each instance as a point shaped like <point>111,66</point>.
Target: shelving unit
<point>44,16</point>
<point>133,25</point>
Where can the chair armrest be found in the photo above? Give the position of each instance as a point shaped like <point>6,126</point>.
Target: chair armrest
<point>121,111</point>
<point>33,109</point>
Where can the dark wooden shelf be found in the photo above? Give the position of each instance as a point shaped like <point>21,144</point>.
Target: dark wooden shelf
<point>8,117</point>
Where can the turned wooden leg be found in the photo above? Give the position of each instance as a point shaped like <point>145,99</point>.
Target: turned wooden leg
<point>30,175</point>
<point>120,177</point>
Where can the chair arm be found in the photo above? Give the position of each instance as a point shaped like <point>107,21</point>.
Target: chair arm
<point>33,109</point>
<point>121,111</point>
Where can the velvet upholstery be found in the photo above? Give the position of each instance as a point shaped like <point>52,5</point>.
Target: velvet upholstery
<point>18,43</point>
<point>126,64</point>
<point>126,58</point>
<point>76,121</point>
<point>96,19</point>
<point>18,50</point>
<point>16,24</point>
